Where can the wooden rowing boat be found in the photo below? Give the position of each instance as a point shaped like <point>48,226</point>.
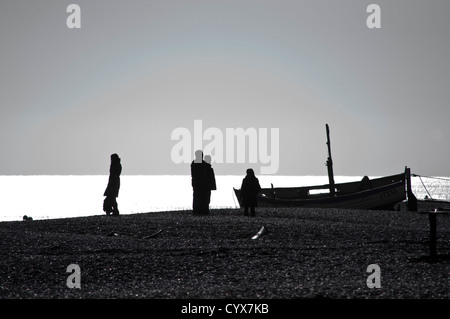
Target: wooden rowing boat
<point>376,193</point>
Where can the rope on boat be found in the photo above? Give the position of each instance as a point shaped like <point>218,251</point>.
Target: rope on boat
<point>431,177</point>
<point>424,187</point>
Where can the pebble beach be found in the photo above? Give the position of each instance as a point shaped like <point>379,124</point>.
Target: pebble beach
<point>306,253</point>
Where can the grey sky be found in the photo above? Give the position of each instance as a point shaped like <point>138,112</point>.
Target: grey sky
<point>137,70</point>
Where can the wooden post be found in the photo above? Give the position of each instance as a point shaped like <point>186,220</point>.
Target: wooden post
<point>330,163</point>
<point>411,199</point>
<point>433,233</point>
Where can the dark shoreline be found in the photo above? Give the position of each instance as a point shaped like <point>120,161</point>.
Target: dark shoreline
<point>306,254</point>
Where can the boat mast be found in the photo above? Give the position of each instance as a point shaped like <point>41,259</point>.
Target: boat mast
<point>330,163</point>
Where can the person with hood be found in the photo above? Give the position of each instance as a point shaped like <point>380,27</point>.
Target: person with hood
<point>249,191</point>
<point>112,190</point>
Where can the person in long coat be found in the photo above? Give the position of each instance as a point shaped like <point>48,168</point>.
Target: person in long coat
<point>249,191</point>
<point>112,190</point>
<point>201,184</point>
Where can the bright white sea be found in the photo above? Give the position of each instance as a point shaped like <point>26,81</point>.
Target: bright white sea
<point>46,197</point>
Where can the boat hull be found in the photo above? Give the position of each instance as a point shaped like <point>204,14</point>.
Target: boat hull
<point>383,193</point>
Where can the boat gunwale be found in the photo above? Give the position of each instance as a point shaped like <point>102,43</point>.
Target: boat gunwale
<point>349,200</point>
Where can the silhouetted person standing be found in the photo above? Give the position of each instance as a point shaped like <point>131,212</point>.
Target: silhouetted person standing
<point>249,191</point>
<point>211,179</point>
<point>112,190</point>
<point>200,184</point>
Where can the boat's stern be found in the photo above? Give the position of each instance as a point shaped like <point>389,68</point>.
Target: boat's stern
<point>237,193</point>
